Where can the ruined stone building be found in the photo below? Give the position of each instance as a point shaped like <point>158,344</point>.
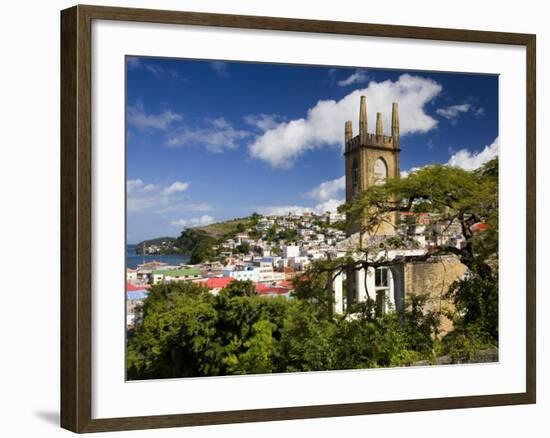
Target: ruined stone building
<point>372,158</point>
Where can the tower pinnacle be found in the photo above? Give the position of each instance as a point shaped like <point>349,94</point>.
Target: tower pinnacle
<point>379,130</point>
<point>395,124</point>
<point>363,120</point>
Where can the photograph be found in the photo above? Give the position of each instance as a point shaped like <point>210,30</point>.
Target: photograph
<point>292,218</point>
<point>268,220</point>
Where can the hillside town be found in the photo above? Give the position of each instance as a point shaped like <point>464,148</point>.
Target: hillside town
<point>272,263</point>
<point>405,274</point>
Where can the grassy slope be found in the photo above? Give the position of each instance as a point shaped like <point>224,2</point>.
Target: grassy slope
<point>221,229</point>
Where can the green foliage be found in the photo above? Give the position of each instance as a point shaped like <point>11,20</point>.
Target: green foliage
<point>387,340</point>
<point>186,331</point>
<point>475,321</point>
<point>276,234</point>
<point>476,302</point>
<point>311,288</point>
<point>306,341</point>
<point>240,288</point>
<point>199,241</point>
<point>202,252</point>
<point>243,248</point>
<point>464,342</point>
<point>259,350</point>
<point>196,243</point>
<point>287,234</point>
<point>254,219</point>
<point>455,196</point>
<point>271,234</point>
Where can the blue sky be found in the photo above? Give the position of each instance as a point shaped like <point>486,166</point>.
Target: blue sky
<point>209,141</point>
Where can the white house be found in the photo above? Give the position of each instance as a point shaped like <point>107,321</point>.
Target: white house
<point>291,251</point>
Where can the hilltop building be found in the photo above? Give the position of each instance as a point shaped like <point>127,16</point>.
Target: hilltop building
<point>371,159</point>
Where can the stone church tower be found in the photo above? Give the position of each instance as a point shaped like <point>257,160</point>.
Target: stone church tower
<point>371,159</point>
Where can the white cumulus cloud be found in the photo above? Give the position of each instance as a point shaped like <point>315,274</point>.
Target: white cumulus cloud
<point>330,205</point>
<point>327,194</point>
<point>220,68</point>
<point>324,123</point>
<point>218,136</point>
<point>133,184</point>
<point>160,198</point>
<point>175,187</point>
<point>406,173</point>
<point>465,159</point>
<point>452,112</point>
<point>263,121</point>
<point>138,117</point>
<point>358,77</point>
<point>200,221</point>
<point>328,189</point>
<point>282,210</point>
<point>472,160</point>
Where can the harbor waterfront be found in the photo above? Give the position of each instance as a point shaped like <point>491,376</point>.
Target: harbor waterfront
<point>133,259</point>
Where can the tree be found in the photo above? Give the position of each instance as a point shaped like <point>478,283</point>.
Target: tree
<point>271,234</point>
<point>306,340</point>
<point>241,227</point>
<point>452,196</point>
<point>315,286</point>
<point>189,238</point>
<point>287,234</point>
<point>258,351</point>
<point>243,248</point>
<point>254,219</point>
<point>175,336</point>
<point>186,332</point>
<point>240,288</point>
<point>202,252</point>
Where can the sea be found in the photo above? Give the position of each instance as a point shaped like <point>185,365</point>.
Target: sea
<point>133,259</point>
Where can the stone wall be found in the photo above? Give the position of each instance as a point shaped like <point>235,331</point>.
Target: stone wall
<point>434,278</point>
<point>482,356</point>
<point>366,156</point>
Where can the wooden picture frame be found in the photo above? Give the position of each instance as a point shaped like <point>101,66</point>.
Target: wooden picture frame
<point>76,218</point>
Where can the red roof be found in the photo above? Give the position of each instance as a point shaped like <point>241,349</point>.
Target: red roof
<point>130,286</point>
<point>273,290</point>
<point>260,287</point>
<point>480,226</point>
<point>263,289</point>
<point>217,282</point>
<point>286,283</point>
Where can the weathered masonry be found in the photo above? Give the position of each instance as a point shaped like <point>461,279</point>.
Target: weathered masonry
<point>371,159</point>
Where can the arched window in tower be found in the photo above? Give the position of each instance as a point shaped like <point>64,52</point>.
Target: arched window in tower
<point>380,171</point>
<point>355,176</point>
